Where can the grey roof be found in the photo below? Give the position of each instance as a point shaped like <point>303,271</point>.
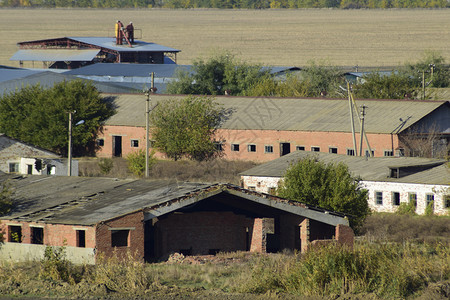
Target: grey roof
<point>12,74</point>
<point>55,55</point>
<point>110,43</point>
<point>129,70</point>
<point>48,79</point>
<point>292,114</point>
<point>369,169</point>
<point>88,201</point>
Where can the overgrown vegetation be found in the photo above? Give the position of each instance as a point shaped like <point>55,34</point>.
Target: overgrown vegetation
<point>329,186</point>
<point>40,116</point>
<point>136,162</point>
<point>186,128</point>
<point>398,257</point>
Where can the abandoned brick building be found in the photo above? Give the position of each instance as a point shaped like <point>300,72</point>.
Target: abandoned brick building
<point>263,129</point>
<point>155,218</point>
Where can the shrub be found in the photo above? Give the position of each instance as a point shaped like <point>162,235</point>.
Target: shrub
<point>105,165</point>
<point>429,210</point>
<point>55,266</point>
<point>136,162</point>
<point>407,208</point>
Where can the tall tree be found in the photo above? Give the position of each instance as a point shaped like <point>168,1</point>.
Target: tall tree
<point>382,86</point>
<point>186,127</point>
<point>40,116</point>
<point>219,73</point>
<point>329,186</point>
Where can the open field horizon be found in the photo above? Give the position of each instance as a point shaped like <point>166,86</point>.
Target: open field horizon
<point>373,38</point>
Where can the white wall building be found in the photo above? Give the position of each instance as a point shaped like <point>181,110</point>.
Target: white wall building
<point>389,180</point>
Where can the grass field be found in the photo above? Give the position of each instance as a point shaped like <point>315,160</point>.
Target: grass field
<point>269,37</point>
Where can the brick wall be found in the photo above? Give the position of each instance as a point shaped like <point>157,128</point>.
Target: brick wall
<point>260,138</point>
<point>54,234</point>
<point>259,236</point>
<point>202,232</point>
<point>304,235</point>
<point>344,235</point>
<point>134,223</point>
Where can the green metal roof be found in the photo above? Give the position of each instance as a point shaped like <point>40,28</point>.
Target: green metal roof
<point>291,114</point>
<point>369,169</point>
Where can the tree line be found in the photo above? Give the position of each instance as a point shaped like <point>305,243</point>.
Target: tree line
<point>230,4</point>
<point>223,73</point>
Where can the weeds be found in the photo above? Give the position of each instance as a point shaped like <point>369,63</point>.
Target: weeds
<point>105,165</point>
<point>55,266</point>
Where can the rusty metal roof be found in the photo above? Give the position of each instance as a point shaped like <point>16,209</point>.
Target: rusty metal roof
<point>369,169</point>
<point>88,201</point>
<point>293,114</point>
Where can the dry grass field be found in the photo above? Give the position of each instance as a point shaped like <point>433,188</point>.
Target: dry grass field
<point>269,37</point>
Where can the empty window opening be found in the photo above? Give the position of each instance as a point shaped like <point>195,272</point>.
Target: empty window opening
<point>447,201</point>
<point>29,169</point>
<point>219,146</point>
<point>388,153</point>
<point>351,152</point>
<point>285,148</point>
<point>119,238</point>
<point>235,147</point>
<point>379,198</point>
<point>14,167</point>
<point>332,150</point>
<point>268,149</point>
<point>134,143</point>
<point>300,148</point>
<point>430,200</point>
<point>251,148</point>
<point>15,234</point>
<point>368,153</point>
<point>37,235</point>
<point>396,198</point>
<point>315,149</point>
<point>81,238</point>
<point>100,142</point>
<point>273,191</point>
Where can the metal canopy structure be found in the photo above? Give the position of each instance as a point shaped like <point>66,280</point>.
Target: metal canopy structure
<point>55,55</point>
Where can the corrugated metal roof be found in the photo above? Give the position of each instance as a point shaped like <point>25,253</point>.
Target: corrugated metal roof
<point>11,74</point>
<point>129,70</point>
<point>369,169</point>
<point>48,79</point>
<point>110,43</point>
<point>54,55</point>
<point>88,201</point>
<point>291,114</point>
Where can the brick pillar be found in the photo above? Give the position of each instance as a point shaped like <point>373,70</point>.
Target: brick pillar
<point>259,236</point>
<point>345,235</point>
<point>304,235</point>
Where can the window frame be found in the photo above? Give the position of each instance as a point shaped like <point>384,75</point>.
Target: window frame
<point>268,149</point>
<point>315,149</point>
<point>333,150</point>
<point>300,148</point>
<point>350,152</point>
<point>395,197</point>
<point>389,153</point>
<point>235,147</point>
<point>378,200</point>
<point>134,143</point>
<point>251,147</point>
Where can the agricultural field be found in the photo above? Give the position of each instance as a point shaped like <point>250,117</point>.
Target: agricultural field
<point>270,37</point>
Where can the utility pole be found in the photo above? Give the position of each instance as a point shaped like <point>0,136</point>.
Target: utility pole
<point>351,117</point>
<point>69,150</point>
<point>363,113</point>
<point>147,123</point>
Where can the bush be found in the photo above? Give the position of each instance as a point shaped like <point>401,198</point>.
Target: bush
<point>429,210</point>
<point>55,266</point>
<point>105,165</point>
<point>407,208</point>
<point>136,162</point>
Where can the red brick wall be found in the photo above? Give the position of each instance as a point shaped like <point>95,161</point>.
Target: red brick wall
<point>54,234</point>
<point>259,236</point>
<point>200,232</point>
<point>304,235</point>
<point>261,138</point>
<point>134,222</point>
<point>345,235</point>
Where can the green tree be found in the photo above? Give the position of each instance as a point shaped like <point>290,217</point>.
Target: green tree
<point>219,73</point>
<point>430,60</point>
<point>379,86</point>
<point>329,186</point>
<point>136,162</point>
<point>186,127</point>
<point>40,116</point>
